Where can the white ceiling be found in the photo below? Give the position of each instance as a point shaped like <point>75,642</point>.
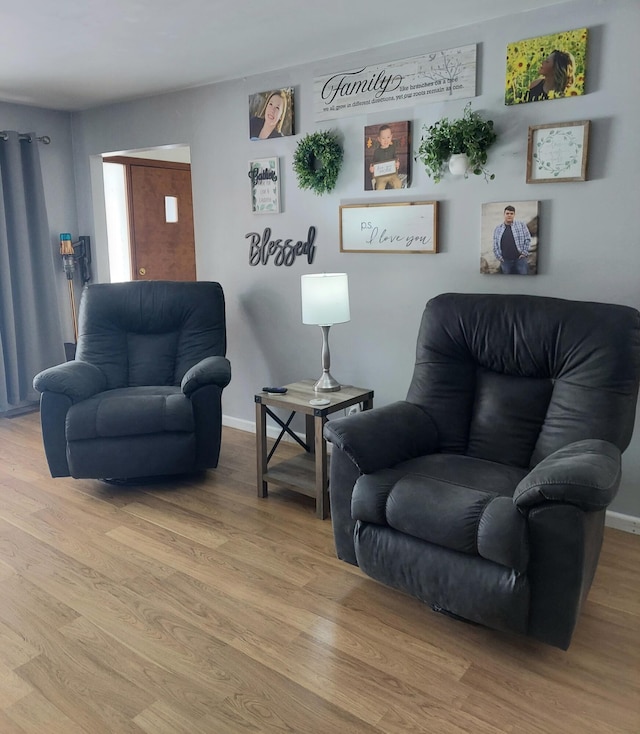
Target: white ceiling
<point>75,54</point>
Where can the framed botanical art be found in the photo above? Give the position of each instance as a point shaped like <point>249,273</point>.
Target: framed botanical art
<point>546,67</point>
<point>264,174</point>
<point>557,152</point>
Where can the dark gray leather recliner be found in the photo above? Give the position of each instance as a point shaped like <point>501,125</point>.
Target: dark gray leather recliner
<point>143,396</point>
<point>484,492</point>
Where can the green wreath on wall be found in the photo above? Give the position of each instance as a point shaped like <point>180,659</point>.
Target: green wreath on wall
<point>317,161</point>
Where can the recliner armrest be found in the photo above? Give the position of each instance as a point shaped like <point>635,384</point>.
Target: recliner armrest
<point>584,473</point>
<point>77,380</point>
<point>209,371</point>
<point>380,438</point>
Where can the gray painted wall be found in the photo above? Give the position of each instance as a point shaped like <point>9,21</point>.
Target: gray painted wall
<point>589,241</point>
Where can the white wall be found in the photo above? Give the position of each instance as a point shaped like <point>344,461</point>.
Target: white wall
<point>589,241</point>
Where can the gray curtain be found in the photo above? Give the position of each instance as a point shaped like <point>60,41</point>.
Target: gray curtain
<point>30,332</point>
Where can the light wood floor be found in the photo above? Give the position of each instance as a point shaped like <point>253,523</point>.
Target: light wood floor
<point>199,608</point>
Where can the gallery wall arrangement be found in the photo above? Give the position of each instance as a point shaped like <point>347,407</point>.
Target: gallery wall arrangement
<point>539,69</point>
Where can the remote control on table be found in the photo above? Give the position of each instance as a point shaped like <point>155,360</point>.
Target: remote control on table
<point>275,390</point>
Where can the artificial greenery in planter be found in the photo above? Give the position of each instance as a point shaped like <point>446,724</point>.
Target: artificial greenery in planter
<point>317,161</point>
<point>469,134</point>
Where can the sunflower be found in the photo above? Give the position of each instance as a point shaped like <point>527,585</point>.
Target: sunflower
<point>520,65</point>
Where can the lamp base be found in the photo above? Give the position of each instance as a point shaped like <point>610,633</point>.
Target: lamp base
<point>327,383</point>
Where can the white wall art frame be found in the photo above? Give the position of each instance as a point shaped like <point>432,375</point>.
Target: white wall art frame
<point>264,175</point>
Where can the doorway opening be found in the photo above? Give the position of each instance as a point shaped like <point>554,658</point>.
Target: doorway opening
<point>149,214</point>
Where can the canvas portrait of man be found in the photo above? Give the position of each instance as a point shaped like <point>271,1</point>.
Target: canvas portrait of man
<point>509,238</point>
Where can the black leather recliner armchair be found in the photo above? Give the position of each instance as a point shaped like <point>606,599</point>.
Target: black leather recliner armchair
<point>484,493</point>
<point>143,396</point>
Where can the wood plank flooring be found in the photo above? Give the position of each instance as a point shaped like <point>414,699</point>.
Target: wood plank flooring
<point>195,607</point>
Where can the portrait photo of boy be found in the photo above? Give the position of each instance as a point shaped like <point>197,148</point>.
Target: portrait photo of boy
<point>387,156</point>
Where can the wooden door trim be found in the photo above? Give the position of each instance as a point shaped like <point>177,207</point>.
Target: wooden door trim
<point>127,161</point>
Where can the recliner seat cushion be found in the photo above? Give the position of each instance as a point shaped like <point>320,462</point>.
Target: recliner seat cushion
<point>456,502</point>
<point>130,412</point>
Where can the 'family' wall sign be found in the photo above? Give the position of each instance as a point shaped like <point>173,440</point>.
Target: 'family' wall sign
<point>448,74</point>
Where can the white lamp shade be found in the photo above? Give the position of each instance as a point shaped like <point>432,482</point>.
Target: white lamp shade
<point>325,298</point>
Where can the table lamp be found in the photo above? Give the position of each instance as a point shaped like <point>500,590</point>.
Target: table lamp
<point>325,301</point>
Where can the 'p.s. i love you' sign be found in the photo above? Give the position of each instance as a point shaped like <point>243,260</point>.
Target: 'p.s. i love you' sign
<point>392,227</point>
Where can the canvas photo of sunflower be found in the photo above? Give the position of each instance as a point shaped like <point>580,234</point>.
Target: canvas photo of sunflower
<point>546,67</point>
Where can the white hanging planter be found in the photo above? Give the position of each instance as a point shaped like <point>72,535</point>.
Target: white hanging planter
<point>458,164</point>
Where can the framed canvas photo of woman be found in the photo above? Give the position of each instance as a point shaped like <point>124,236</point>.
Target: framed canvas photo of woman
<point>271,114</point>
<point>546,67</point>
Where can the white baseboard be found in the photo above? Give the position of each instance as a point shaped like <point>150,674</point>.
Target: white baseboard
<point>250,427</point>
<point>617,520</point>
<point>628,523</point>
<point>241,425</point>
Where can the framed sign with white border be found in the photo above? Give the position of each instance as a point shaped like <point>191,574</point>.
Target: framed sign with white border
<point>393,227</point>
<point>557,152</point>
<point>264,174</point>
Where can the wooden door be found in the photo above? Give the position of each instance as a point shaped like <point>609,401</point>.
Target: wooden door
<point>161,249</point>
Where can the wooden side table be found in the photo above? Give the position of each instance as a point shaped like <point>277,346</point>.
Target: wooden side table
<point>307,472</point>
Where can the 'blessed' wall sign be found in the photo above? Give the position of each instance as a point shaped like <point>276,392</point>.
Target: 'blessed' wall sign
<point>283,251</point>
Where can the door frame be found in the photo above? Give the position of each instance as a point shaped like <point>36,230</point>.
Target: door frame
<point>127,162</point>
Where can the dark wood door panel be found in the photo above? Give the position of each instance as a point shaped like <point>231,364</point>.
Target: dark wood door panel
<point>161,250</point>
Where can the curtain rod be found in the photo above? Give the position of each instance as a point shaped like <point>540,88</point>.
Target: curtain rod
<point>4,135</point>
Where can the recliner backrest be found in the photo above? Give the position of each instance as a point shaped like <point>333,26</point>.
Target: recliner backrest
<point>150,332</point>
<point>512,378</point>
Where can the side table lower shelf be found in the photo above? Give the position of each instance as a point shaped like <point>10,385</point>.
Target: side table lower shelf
<point>296,474</point>
<point>306,473</point>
